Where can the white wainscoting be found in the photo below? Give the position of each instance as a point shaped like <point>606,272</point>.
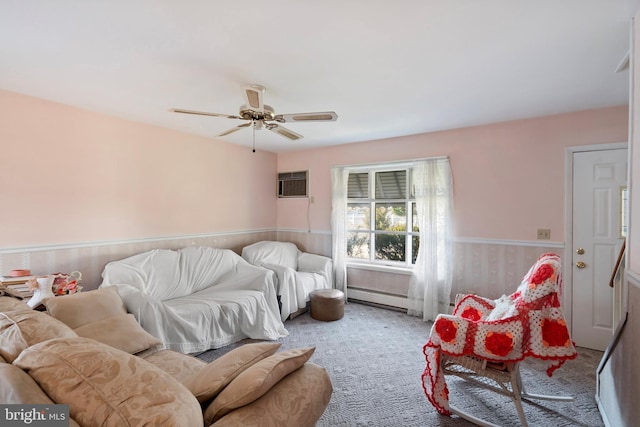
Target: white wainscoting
<point>486,267</point>
<point>315,242</point>
<point>490,268</point>
<point>493,268</point>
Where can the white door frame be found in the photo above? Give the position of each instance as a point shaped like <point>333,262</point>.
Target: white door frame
<point>567,291</point>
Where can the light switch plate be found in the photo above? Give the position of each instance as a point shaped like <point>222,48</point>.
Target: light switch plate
<point>544,233</point>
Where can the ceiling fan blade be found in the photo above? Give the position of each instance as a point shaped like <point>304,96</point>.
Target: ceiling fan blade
<point>254,96</point>
<point>237,128</point>
<point>324,116</point>
<point>202,113</point>
<point>289,134</point>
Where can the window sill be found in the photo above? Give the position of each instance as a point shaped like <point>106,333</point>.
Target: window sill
<point>382,268</point>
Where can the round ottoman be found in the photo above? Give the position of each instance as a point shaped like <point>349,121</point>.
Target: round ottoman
<point>327,304</point>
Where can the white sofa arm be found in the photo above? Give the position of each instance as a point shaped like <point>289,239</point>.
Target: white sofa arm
<point>280,272</point>
<point>312,263</point>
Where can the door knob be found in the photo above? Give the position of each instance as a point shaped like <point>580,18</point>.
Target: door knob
<point>580,264</point>
<point>580,251</point>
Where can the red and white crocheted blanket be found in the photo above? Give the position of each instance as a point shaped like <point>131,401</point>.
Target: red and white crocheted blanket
<point>528,323</point>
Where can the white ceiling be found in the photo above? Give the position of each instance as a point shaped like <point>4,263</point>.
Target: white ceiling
<point>388,68</point>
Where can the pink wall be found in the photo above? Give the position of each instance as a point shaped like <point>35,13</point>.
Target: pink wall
<point>69,175</point>
<point>509,177</point>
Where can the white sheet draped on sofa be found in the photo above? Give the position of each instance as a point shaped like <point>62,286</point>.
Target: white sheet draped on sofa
<point>197,298</point>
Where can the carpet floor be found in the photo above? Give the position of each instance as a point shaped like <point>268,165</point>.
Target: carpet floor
<point>375,361</point>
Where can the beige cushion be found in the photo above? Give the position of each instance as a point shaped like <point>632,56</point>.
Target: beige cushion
<point>122,332</point>
<point>18,387</point>
<point>299,399</point>
<point>102,316</point>
<point>208,382</point>
<point>255,381</point>
<point>108,387</point>
<point>79,309</point>
<point>23,328</point>
<point>10,304</point>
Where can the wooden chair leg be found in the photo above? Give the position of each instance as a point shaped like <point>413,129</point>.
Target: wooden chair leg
<point>509,381</point>
<point>516,383</point>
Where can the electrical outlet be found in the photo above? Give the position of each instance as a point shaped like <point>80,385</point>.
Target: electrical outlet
<point>544,233</point>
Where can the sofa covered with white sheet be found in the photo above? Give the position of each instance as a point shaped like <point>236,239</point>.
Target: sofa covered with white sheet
<point>197,298</point>
<point>298,273</point>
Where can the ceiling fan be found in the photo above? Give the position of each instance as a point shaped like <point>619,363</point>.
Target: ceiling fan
<point>255,112</point>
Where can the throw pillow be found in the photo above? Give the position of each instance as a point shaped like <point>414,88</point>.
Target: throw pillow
<point>208,382</point>
<point>22,328</point>
<point>19,387</point>
<point>108,387</point>
<point>122,332</point>
<point>255,381</point>
<point>82,308</point>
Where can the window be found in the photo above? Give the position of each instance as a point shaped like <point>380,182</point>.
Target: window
<point>381,225</point>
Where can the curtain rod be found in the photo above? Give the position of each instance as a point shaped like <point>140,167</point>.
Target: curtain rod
<point>394,163</point>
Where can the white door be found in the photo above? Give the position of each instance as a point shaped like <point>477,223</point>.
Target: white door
<point>598,178</point>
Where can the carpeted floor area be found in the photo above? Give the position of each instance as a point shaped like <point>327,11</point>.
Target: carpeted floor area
<point>375,361</point>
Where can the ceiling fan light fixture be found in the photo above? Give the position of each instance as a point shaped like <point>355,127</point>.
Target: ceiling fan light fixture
<point>268,112</point>
<point>259,115</point>
<point>246,113</point>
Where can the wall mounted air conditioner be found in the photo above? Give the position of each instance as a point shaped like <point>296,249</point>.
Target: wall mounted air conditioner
<point>293,184</point>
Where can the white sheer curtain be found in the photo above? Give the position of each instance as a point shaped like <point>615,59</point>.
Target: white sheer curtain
<point>339,178</point>
<point>431,277</point>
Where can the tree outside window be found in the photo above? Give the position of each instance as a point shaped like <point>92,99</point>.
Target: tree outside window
<point>381,217</point>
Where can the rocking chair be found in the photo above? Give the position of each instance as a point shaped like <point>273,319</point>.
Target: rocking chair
<point>485,340</point>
